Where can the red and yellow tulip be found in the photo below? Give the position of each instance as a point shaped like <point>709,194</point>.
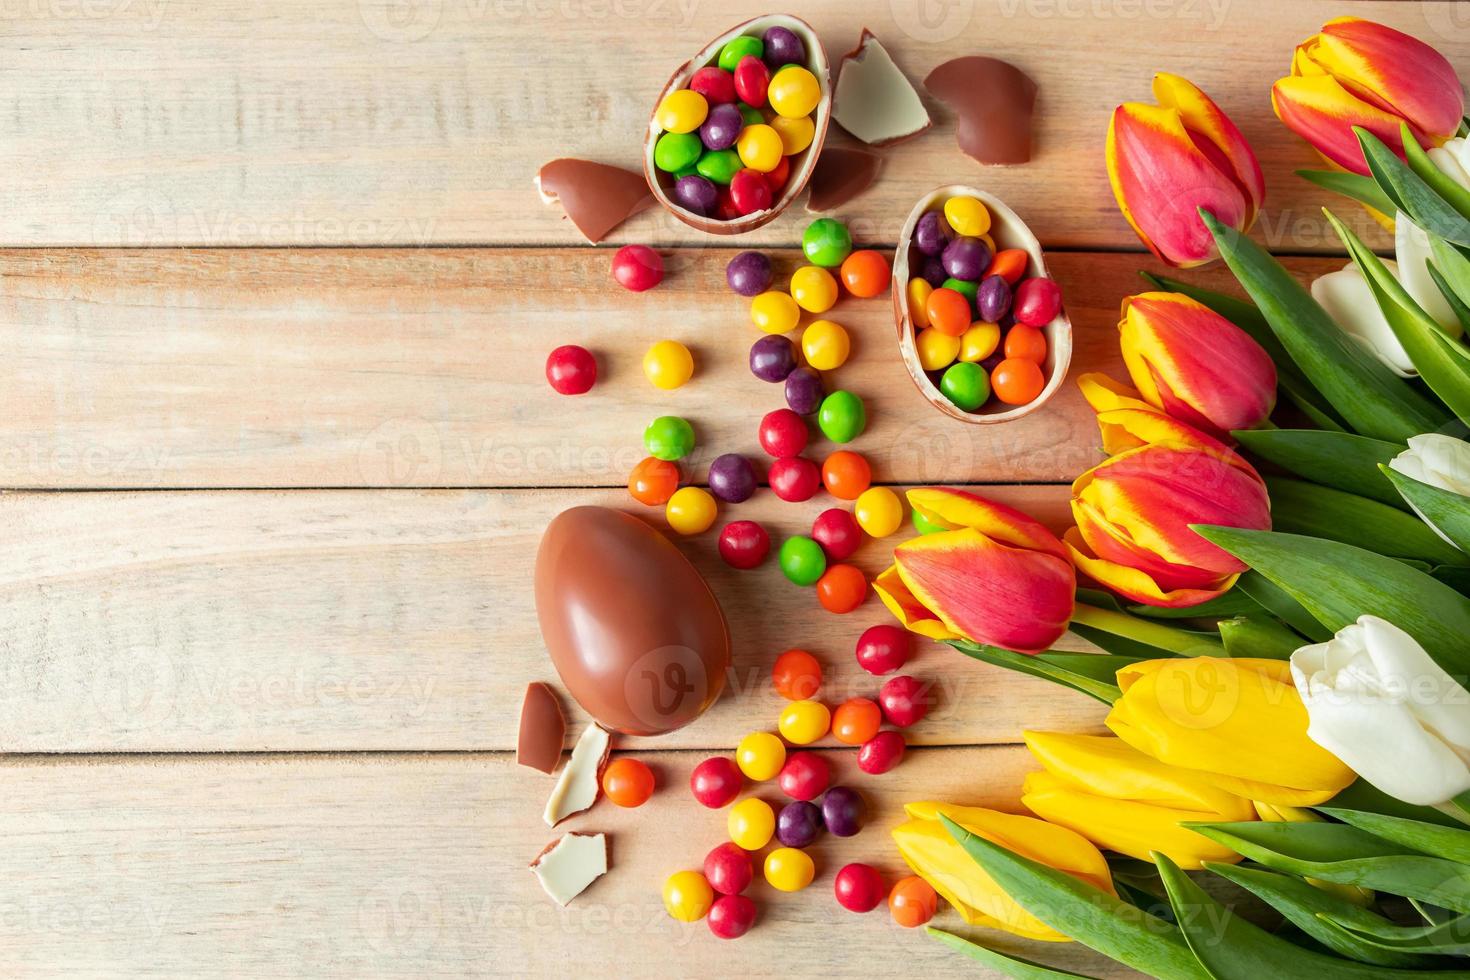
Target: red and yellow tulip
<point>1167,161</point>
<point>1133,510</point>
<point>1355,72</point>
<point>994,576</point>
<point>1190,362</point>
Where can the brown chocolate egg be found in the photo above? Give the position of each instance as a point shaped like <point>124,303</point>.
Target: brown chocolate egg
<point>635,633</point>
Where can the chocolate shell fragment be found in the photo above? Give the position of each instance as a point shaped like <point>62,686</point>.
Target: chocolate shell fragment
<point>596,197</point>
<point>543,729</point>
<point>993,102</point>
<point>875,101</point>
<point>841,174</point>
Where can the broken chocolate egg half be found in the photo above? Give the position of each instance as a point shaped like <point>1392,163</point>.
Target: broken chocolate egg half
<point>1008,231</point>
<point>662,183</point>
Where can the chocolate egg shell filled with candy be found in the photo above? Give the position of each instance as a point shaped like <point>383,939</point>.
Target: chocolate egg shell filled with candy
<point>637,636</point>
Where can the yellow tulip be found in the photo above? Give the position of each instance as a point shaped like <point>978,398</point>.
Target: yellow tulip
<point>1237,722</point>
<point>939,860</point>
<point>1125,801</point>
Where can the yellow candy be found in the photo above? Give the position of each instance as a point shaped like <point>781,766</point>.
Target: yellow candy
<point>681,112</point>
<point>825,345</point>
<point>751,823</point>
<point>774,312</point>
<point>760,755</point>
<point>980,341</point>
<point>967,216</point>
<point>789,869</point>
<point>668,364</point>
<point>879,512</point>
<point>796,132</point>
<point>813,288</point>
<point>919,290</point>
<point>793,91</point>
<point>759,147</point>
<point>687,895</point>
<point>803,722</point>
<point>691,510</point>
<point>936,350</point>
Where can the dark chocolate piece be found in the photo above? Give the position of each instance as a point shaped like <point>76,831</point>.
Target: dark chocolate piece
<point>841,174</point>
<point>993,102</point>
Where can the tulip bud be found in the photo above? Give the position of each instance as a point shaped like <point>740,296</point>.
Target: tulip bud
<point>1438,460</point>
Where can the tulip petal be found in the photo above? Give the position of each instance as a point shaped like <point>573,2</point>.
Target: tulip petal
<point>1393,70</point>
<point>1055,847</point>
<point>1145,427</point>
<point>1203,118</point>
<point>1348,300</point>
<point>1106,395</point>
<point>910,612</point>
<point>1135,585</point>
<point>1412,251</point>
<point>960,509</point>
<point>1321,111</point>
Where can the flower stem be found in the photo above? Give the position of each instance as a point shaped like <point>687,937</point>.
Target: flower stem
<point>1147,631</point>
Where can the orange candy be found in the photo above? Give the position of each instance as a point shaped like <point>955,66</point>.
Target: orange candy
<point>1017,380</point>
<point>855,721</point>
<point>627,782</point>
<point>912,902</point>
<point>1009,263</point>
<point>842,588</point>
<point>797,675</point>
<point>846,475</point>
<point>948,312</point>
<point>865,273</point>
<point>1026,342</point>
<point>653,481</point>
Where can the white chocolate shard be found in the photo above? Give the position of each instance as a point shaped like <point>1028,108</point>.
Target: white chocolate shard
<point>576,784</point>
<point>875,101</point>
<point>569,864</point>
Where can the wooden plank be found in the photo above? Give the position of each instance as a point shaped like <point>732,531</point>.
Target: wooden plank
<point>257,621</point>
<point>377,122</point>
<point>405,866</point>
<point>318,368</point>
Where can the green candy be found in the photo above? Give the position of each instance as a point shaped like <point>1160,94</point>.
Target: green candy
<point>826,242</point>
<point>842,417</point>
<point>750,114</point>
<point>719,165</point>
<point>688,171</point>
<point>964,287</point>
<point>669,437</point>
<point>923,525</point>
<point>802,560</point>
<point>739,47</point>
<point>966,385</point>
<point>675,151</point>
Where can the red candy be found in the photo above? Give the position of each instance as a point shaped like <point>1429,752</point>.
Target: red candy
<point>881,753</point>
<point>751,79</point>
<point>571,370</point>
<point>805,776</point>
<point>794,478</point>
<point>777,178</point>
<point>715,84</point>
<point>744,544</point>
<point>884,649</point>
<point>905,700</point>
<point>637,267</point>
<point>728,870</point>
<point>859,888</point>
<point>725,208</point>
<point>749,191</point>
<point>1037,302</point>
<point>837,533</point>
<point>782,433</point>
<point>731,916</point>
<point>716,782</point>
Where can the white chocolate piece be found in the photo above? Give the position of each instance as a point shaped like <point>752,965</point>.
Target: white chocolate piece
<point>569,864</point>
<point>875,101</point>
<point>576,784</point>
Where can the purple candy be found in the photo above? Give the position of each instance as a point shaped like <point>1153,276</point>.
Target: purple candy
<point>843,811</point>
<point>933,270</point>
<point>804,392</point>
<point>721,127</point>
<point>966,258</point>
<point>749,273</point>
<point>932,233</point>
<point>731,478</point>
<point>798,824</point>
<point>993,298</point>
<point>783,47</point>
<point>696,193</point>
<point>772,358</point>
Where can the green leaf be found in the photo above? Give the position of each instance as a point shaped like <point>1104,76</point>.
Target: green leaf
<point>1298,507</point>
<point>1440,182</point>
<point>1093,918</point>
<point>1408,190</point>
<point>1359,187</point>
<point>1337,583</point>
<point>1090,673</point>
<point>1457,305</point>
<point>1230,948</point>
<point>1441,508</point>
<point>1363,796</point>
<point>1451,937</point>
<point>1259,637</point>
<point>1232,603</point>
<point>1011,966</point>
<point>1426,838</point>
<point>1333,459</point>
<point>1450,267</point>
<point>1277,601</point>
<point>1371,398</point>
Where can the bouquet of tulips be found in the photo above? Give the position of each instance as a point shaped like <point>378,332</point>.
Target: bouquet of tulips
<point>1281,593</point>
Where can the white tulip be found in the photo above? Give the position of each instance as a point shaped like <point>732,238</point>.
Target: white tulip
<point>1411,247</point>
<point>1348,299</point>
<point>1438,460</point>
<point>1379,703</point>
<point>1454,159</point>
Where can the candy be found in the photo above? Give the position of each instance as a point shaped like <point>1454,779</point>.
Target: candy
<point>966,258</point>
<point>802,560</point>
<point>803,722</point>
<point>865,273</point>
<point>965,288</point>
<point>1038,301</point>
<point>571,370</point>
<point>737,48</point>
<point>716,85</point>
<point>719,166</point>
<point>826,242</point>
<point>749,273</point>
<point>681,111</point>
<point>905,700</point>
<point>728,869</point>
<point>751,823</point>
<point>965,384</point>
<point>637,267</point>
<point>923,525</point>
<point>1009,264</point>
<point>777,178</point>
<point>751,79</point>
<point>813,288</point>
<point>918,295</point>
<point>804,391</point>
<point>842,417</point>
<point>751,115</point>
<point>859,888</point>
<point>993,298</point>
<point>796,675</point>
<point>783,47</point>
<point>669,437</point>
<point>932,233</point>
<point>789,870</point>
<point>966,215</point>
<point>842,588</point>
<point>715,782</point>
<point>691,510</point>
<point>879,512</point>
<point>772,358</point>
<point>744,544</point>
<point>798,824</point>
<point>759,148</point>
<point>668,364</point>
<point>760,756</point>
<point>856,720</point>
<point>687,896</point>
<point>1017,380</point>
<point>724,204</point>
<point>794,91</point>
<point>696,193</point>
<point>731,916</point>
<point>843,811</point>
<point>825,344</point>
<point>675,151</point>
<point>932,270</point>
<point>837,533</point>
<point>846,474</point>
<point>979,342</point>
<point>912,902</point>
<point>627,782</point>
<point>782,433</point>
<point>881,753</point>
<point>1026,342</point>
<point>774,312</point>
<point>797,133</point>
<point>794,478</point>
<point>936,350</point>
<point>804,776</point>
<point>721,128</point>
<point>884,648</point>
<point>948,312</point>
<point>749,191</point>
<point>653,481</point>
<point>731,478</point>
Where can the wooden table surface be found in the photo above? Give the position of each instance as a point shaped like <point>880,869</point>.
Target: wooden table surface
<point>275,293</point>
